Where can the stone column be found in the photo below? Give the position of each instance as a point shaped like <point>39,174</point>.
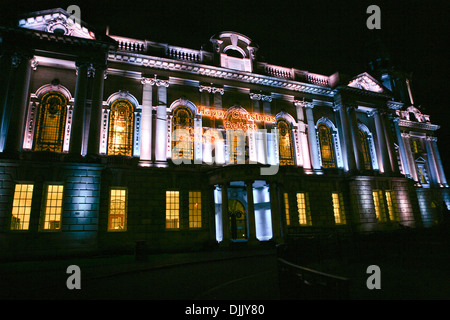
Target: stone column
<point>402,150</point>
<point>302,137</point>
<point>161,123</point>
<point>438,161</point>
<point>275,210</point>
<point>251,212</point>
<point>225,218</point>
<point>17,106</point>
<point>409,156</point>
<point>146,122</point>
<point>346,139</point>
<point>312,136</point>
<point>256,98</point>
<point>386,120</point>
<point>431,162</point>
<point>76,141</point>
<point>6,66</point>
<point>381,140</point>
<point>357,153</point>
<point>219,147</point>
<point>96,111</point>
<point>218,93</point>
<point>198,139</point>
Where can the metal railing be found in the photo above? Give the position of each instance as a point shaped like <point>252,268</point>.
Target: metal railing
<point>298,282</point>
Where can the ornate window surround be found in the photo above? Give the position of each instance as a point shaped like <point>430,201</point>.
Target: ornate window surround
<point>371,144</point>
<point>335,139</point>
<point>33,110</point>
<point>197,127</point>
<point>298,157</point>
<point>104,130</point>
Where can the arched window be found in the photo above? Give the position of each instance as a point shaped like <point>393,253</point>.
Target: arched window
<point>120,136</point>
<point>51,122</point>
<point>365,150</point>
<point>236,126</point>
<point>285,142</point>
<point>326,146</point>
<point>183,133</point>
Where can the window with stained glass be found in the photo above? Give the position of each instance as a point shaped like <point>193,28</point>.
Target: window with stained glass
<point>183,133</point>
<point>237,138</point>
<point>51,122</point>
<point>326,146</point>
<point>21,209</point>
<point>285,143</point>
<point>365,150</point>
<point>52,208</point>
<point>120,136</point>
<point>416,146</point>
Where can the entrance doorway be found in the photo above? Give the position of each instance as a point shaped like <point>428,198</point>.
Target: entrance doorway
<point>238,220</point>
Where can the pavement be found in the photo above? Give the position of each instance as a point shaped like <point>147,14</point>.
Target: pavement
<point>30,278</point>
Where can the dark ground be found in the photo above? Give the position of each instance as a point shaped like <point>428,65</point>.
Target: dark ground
<point>413,267</point>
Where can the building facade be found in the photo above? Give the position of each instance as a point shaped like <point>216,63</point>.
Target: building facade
<point>107,140</point>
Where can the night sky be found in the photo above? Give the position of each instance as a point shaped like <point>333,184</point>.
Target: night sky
<point>318,36</point>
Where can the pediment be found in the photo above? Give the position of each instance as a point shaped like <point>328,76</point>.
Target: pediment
<point>365,81</point>
<point>56,21</point>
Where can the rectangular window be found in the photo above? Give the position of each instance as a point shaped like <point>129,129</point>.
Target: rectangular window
<point>379,204</point>
<point>52,208</point>
<point>195,209</point>
<point>117,220</point>
<point>286,208</point>
<point>302,199</point>
<point>172,209</point>
<point>21,210</point>
<point>392,205</point>
<point>338,208</point>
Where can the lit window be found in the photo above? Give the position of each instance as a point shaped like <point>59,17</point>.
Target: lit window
<point>285,142</point>
<point>286,207</point>
<point>120,137</point>
<point>117,209</point>
<point>326,146</point>
<point>338,208</point>
<point>392,205</point>
<point>53,208</point>
<point>415,146</point>
<point>172,209</point>
<point>51,123</point>
<point>183,133</point>
<point>365,150</point>
<point>21,209</point>
<point>422,173</point>
<point>195,209</point>
<point>303,218</point>
<point>379,204</point>
<point>236,138</point>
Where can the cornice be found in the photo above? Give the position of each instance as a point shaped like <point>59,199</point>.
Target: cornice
<point>418,125</point>
<point>215,72</point>
<point>363,92</point>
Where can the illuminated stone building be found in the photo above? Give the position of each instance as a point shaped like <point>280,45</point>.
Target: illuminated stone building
<point>107,140</point>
